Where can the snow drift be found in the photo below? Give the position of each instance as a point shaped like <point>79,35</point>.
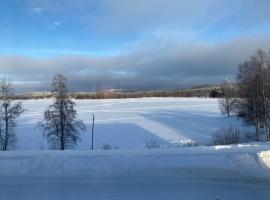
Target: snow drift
<point>244,160</point>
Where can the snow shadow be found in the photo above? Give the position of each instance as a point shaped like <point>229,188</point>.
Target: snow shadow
<point>119,135</point>
<point>198,126</point>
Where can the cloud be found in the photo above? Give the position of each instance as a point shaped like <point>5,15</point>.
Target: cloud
<point>121,17</point>
<point>158,43</point>
<point>55,25</point>
<point>153,66</point>
<point>38,10</point>
<point>114,19</point>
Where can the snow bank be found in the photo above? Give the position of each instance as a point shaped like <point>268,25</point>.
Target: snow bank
<point>264,159</point>
<point>243,160</point>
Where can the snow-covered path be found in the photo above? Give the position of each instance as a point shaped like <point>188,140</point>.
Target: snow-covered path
<point>170,186</point>
<point>130,123</point>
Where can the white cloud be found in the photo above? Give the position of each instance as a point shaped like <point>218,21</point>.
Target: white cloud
<point>38,10</point>
<point>54,25</point>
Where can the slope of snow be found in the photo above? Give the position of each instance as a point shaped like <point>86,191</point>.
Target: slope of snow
<point>130,123</point>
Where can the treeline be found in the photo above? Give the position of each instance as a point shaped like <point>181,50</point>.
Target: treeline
<point>201,92</point>
<point>212,92</point>
<point>249,96</point>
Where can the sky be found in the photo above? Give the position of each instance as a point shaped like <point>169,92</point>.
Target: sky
<point>128,44</point>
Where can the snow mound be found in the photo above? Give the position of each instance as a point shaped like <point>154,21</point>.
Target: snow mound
<point>264,159</point>
<point>249,164</point>
<point>200,161</point>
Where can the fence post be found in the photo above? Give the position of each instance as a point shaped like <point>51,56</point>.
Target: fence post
<point>93,128</point>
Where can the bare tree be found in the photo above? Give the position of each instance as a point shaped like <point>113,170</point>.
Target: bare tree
<point>253,81</point>
<point>9,112</point>
<point>226,136</point>
<point>228,104</point>
<point>59,124</point>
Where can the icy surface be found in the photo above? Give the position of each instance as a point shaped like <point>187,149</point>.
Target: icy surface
<point>130,123</point>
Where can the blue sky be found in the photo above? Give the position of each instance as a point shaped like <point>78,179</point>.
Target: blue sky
<point>117,43</point>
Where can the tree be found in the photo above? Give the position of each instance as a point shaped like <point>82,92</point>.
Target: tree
<point>227,104</point>
<point>213,93</point>
<point>253,81</point>
<point>59,124</point>
<point>9,113</point>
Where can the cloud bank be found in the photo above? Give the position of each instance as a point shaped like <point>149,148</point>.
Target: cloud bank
<point>134,44</point>
<point>152,66</point>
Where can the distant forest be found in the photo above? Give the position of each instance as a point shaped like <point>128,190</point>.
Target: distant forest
<point>198,91</point>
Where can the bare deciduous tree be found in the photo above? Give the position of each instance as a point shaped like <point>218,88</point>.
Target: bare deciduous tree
<point>228,104</point>
<point>9,112</point>
<point>253,80</point>
<point>59,124</point>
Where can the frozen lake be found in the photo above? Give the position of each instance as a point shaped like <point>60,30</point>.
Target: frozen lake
<point>130,123</point>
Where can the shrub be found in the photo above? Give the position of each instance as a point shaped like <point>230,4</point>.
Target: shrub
<point>192,144</point>
<point>106,147</point>
<point>152,144</point>
<point>249,137</point>
<point>226,136</point>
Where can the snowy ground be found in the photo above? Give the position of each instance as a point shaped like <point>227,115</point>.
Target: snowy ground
<point>231,172</point>
<point>132,172</point>
<point>130,123</point>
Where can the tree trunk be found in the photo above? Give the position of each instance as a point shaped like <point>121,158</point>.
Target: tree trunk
<point>6,130</point>
<point>62,139</point>
<point>227,106</point>
<point>267,133</point>
<point>257,131</point>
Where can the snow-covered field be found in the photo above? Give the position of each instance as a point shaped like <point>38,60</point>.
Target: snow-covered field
<point>130,123</point>
<point>133,172</point>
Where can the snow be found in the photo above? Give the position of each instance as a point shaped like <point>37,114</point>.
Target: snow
<point>242,159</point>
<point>131,171</point>
<point>235,172</point>
<point>130,123</point>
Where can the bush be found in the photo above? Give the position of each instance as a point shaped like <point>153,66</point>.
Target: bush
<point>249,137</point>
<point>106,147</point>
<point>192,144</point>
<point>226,136</point>
<point>152,144</point>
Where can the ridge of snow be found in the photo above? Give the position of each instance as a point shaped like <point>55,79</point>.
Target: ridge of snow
<point>248,160</point>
